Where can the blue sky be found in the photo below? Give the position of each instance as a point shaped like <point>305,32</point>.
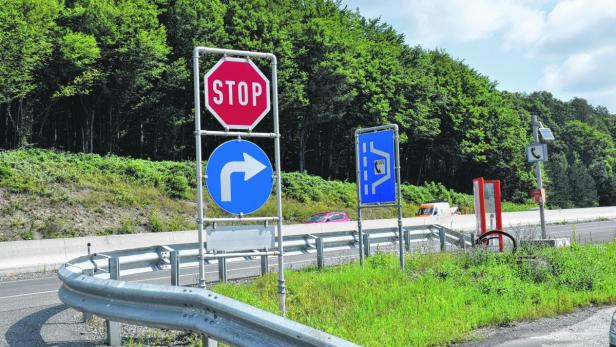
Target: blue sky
<point>567,47</point>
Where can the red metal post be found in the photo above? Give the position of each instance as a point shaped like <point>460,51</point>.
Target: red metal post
<point>499,211</point>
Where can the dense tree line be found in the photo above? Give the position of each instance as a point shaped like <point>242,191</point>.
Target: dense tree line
<point>116,77</point>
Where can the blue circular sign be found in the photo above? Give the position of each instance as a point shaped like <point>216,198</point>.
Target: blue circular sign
<point>239,177</point>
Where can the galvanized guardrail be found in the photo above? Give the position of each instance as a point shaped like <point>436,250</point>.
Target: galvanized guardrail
<point>91,284</point>
<point>159,258</point>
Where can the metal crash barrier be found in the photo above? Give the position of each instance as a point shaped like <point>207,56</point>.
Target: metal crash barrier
<point>91,285</point>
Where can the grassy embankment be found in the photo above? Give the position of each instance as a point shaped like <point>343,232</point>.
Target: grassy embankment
<point>441,297</point>
<point>48,194</point>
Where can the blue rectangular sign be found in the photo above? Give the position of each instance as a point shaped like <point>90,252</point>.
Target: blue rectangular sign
<point>377,178</point>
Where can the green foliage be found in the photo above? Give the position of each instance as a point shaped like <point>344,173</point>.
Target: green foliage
<point>115,77</point>
<point>447,295</point>
<point>162,193</point>
<point>155,222</point>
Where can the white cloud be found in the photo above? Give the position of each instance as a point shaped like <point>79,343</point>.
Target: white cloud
<point>577,25</point>
<point>587,72</point>
<point>436,22</point>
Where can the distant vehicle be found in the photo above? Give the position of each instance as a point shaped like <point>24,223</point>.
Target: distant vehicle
<point>436,209</point>
<point>329,217</point>
<point>613,331</point>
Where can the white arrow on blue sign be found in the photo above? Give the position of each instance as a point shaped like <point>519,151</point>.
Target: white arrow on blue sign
<point>376,164</point>
<point>239,177</point>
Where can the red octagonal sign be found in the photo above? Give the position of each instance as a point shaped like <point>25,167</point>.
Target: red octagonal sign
<point>237,93</point>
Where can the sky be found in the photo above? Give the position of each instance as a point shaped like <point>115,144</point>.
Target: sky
<point>567,47</point>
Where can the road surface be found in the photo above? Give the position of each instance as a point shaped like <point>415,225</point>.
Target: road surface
<point>586,327</point>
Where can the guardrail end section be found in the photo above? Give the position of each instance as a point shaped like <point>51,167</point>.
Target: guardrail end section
<point>164,255</point>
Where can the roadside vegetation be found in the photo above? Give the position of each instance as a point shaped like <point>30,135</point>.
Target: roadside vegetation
<point>440,298</point>
<point>50,194</point>
<point>116,77</point>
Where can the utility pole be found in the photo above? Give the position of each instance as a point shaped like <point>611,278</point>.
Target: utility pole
<point>535,125</point>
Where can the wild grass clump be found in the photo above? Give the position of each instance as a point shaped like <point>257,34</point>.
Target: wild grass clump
<point>441,297</point>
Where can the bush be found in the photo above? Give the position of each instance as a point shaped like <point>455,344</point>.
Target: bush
<point>176,186</point>
<point>155,222</point>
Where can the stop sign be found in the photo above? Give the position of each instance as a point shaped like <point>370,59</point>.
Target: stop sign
<point>237,93</point>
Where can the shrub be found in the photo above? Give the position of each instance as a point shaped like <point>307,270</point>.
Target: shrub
<point>176,186</point>
<point>155,222</point>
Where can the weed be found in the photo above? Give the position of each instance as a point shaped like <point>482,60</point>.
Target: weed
<point>441,298</point>
<point>155,222</point>
<point>127,226</point>
<point>27,235</point>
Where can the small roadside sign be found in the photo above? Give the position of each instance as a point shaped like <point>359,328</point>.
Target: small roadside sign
<point>538,152</point>
<point>538,195</point>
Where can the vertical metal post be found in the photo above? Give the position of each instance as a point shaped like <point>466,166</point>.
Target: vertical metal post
<point>114,329</point>
<point>535,125</point>
<point>407,239</point>
<point>222,269</point>
<point>87,272</point>
<point>174,259</point>
<point>320,259</point>
<point>473,240</point>
<point>199,176</point>
<point>281,281</point>
<point>360,234</point>
<point>264,264</point>
<point>367,249</point>
<point>441,236</point>
<point>462,242</point>
<point>399,196</point>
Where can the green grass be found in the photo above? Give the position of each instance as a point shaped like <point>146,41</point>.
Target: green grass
<point>441,298</point>
<point>157,195</point>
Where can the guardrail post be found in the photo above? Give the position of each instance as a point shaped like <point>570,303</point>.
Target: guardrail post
<point>264,263</point>
<point>473,240</point>
<point>207,342</point>
<point>367,244</point>
<point>441,236</point>
<point>87,272</point>
<point>462,242</point>
<point>175,268</point>
<point>114,329</point>
<point>320,258</point>
<point>222,268</point>
<point>407,239</point>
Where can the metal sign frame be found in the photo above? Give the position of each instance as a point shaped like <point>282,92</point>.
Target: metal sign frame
<point>275,135</point>
<point>480,199</point>
<point>397,203</point>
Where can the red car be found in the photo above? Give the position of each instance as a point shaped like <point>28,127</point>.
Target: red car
<point>329,217</point>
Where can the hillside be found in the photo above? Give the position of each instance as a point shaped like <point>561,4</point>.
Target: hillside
<point>116,77</point>
<point>49,194</point>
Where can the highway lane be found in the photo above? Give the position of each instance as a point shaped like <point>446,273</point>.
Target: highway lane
<point>20,299</point>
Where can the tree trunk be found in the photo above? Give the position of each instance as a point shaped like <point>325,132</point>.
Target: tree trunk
<point>302,150</point>
<point>91,132</point>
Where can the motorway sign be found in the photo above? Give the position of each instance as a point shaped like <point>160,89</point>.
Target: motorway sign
<point>237,93</point>
<point>538,152</point>
<point>376,155</point>
<point>239,177</point>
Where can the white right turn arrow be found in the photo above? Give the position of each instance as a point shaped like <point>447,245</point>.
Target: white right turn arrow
<point>250,167</point>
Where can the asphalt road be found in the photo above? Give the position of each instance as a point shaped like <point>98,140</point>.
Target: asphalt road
<point>32,315</point>
<point>586,327</point>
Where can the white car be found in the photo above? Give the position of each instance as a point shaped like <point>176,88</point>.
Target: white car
<point>613,331</point>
